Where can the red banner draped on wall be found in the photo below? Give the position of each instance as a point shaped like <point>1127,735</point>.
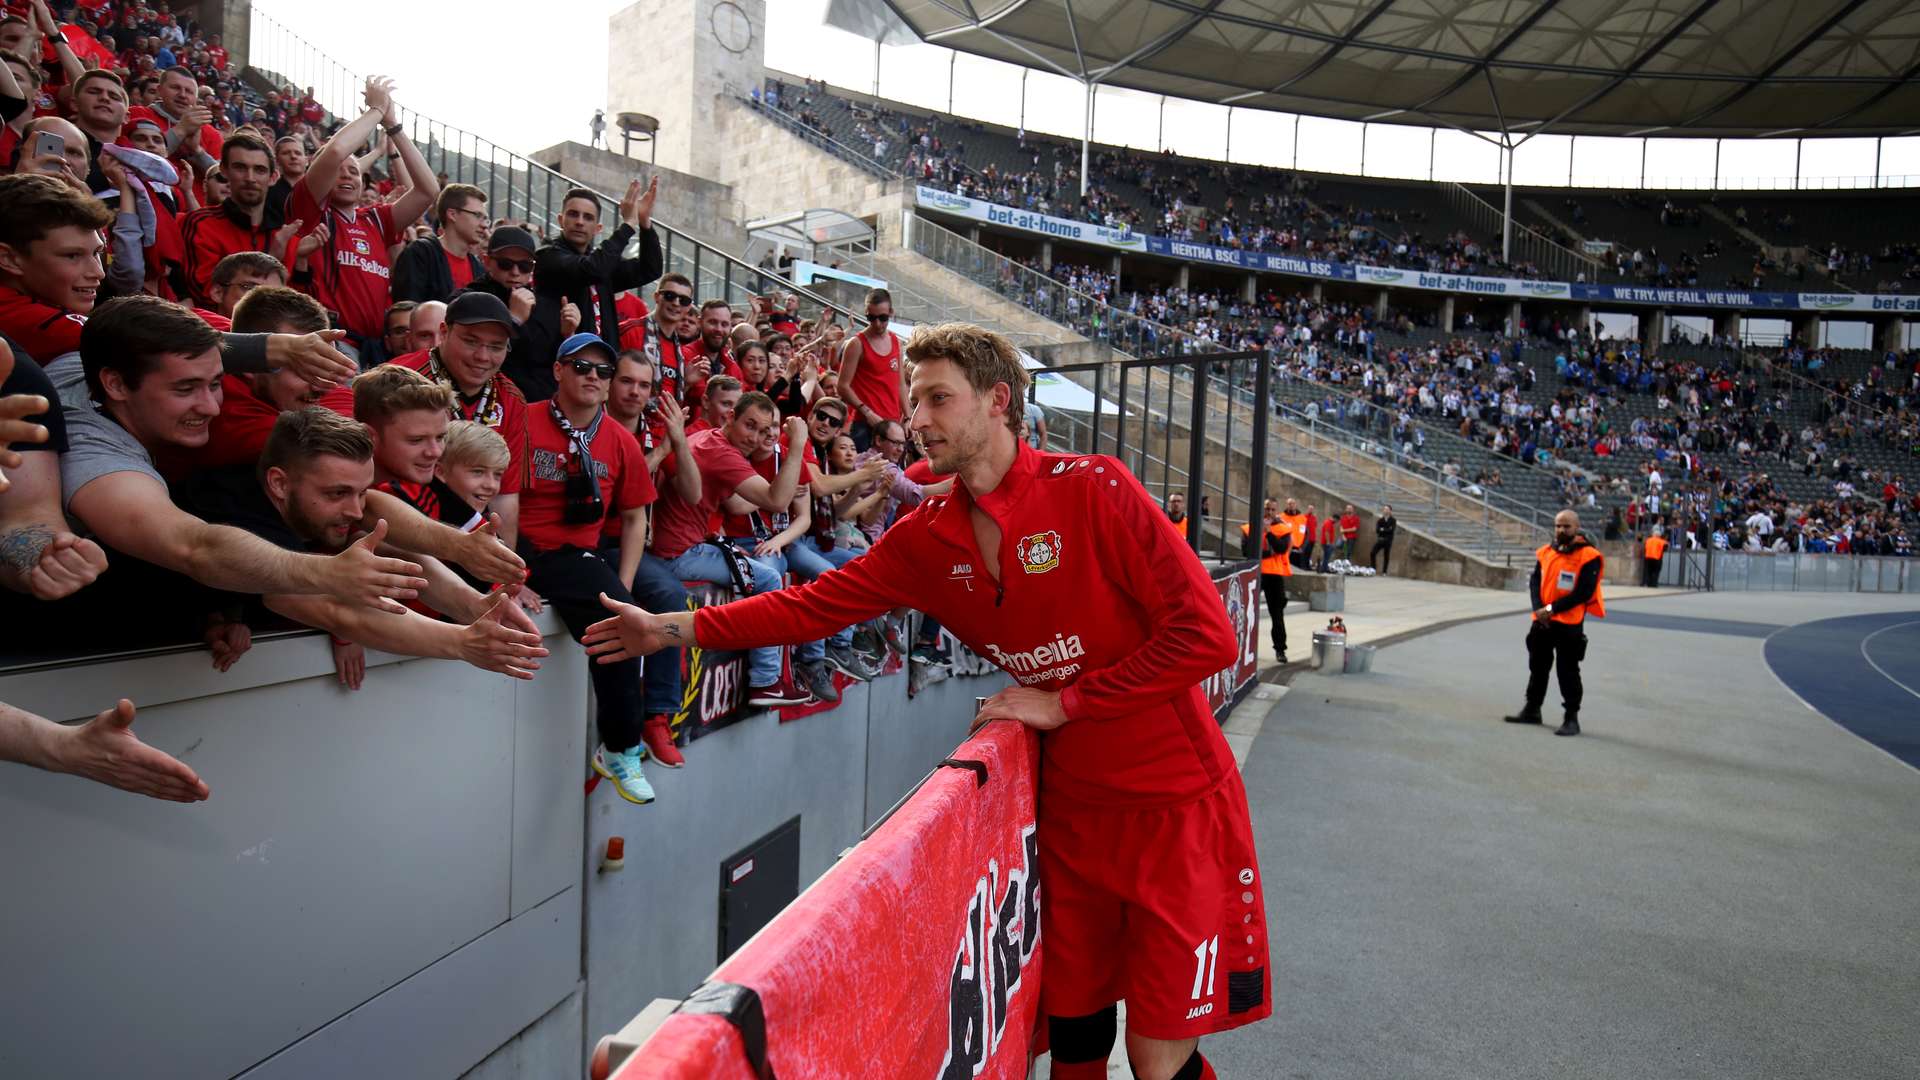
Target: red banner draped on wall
<point>918,955</point>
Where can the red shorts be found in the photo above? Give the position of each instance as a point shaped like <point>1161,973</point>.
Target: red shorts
<point>1160,907</point>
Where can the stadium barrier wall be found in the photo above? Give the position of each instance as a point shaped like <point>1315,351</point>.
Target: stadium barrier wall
<point>401,881</point>
<point>385,882</point>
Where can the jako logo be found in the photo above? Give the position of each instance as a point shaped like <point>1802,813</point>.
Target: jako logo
<point>1200,1010</point>
<point>1060,650</point>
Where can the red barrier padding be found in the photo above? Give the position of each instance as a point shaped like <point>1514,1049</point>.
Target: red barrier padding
<point>918,955</point>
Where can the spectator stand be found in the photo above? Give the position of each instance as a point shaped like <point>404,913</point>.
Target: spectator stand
<point>1356,469</point>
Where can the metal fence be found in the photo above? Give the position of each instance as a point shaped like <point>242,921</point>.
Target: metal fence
<point>1740,571</point>
<point>1172,442</point>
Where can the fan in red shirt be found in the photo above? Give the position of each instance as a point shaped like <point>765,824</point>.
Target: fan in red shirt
<point>873,378</point>
<point>468,362</point>
<point>585,469</point>
<point>707,355</point>
<point>351,272</point>
<point>251,404</point>
<point>1147,853</point>
<point>664,334</point>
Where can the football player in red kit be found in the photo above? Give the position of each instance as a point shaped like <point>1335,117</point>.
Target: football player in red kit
<point>1153,894</point>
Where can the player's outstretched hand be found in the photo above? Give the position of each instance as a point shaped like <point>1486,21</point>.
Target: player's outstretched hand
<point>631,632</point>
<point>1038,709</point>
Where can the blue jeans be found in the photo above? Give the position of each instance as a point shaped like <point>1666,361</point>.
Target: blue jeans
<point>657,590</point>
<point>805,558</point>
<point>702,562</point>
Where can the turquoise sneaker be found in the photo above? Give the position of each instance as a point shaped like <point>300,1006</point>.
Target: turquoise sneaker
<point>623,769</point>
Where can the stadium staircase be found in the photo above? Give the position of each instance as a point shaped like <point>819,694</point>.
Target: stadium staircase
<point>1353,465</point>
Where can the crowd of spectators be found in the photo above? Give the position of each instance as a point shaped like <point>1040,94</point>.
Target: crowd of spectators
<point>247,386</point>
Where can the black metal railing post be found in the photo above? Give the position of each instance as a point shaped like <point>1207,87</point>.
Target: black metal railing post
<point>1196,448</point>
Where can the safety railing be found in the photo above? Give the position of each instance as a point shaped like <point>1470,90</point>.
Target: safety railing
<point>1487,518</point>
<point>1749,571</point>
<point>1555,262</point>
<point>517,187</point>
<point>822,138</point>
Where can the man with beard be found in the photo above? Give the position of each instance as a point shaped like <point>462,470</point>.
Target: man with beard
<point>240,223</point>
<point>662,333</point>
<point>146,380</point>
<point>1148,847</point>
<point>659,425</point>
<point>310,496</point>
<point>1565,587</point>
<point>574,270</point>
<point>707,355</point>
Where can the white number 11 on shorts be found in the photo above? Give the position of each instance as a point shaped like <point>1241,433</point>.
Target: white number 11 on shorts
<point>1204,956</point>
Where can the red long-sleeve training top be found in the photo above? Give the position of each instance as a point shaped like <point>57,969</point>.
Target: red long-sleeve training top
<point>1099,598</point>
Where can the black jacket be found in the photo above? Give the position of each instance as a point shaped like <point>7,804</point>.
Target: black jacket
<point>560,274</point>
<point>520,351</point>
<point>420,273</point>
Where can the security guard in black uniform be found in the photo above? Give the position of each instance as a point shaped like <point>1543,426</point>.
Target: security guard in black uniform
<point>1565,587</point>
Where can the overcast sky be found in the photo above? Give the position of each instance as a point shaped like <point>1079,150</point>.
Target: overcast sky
<point>531,75</point>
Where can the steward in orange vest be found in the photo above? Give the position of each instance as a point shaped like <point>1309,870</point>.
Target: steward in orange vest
<point>1276,544</point>
<point>1651,554</point>
<point>1565,588</point>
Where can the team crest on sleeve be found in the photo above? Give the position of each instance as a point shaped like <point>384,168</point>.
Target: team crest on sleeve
<point>1040,552</point>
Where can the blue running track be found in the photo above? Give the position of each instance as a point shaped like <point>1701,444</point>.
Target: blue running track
<point>1862,671</point>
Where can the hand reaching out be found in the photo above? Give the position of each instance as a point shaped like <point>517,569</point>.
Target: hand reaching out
<point>359,575</point>
<point>106,750</point>
<point>486,558</point>
<point>490,645</point>
<point>312,357</point>
<point>631,632</point>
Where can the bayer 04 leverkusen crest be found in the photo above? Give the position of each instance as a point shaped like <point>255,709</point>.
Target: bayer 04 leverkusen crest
<point>1040,552</point>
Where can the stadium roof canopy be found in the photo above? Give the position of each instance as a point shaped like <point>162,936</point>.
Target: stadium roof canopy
<point>1593,67</point>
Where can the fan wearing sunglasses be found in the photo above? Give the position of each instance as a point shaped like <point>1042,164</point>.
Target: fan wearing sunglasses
<point>507,275</point>
<point>667,329</point>
<point>585,467</point>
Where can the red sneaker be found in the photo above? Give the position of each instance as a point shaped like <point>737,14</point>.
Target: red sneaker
<point>657,733</point>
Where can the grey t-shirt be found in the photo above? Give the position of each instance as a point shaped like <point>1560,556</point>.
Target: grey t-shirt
<point>96,446</point>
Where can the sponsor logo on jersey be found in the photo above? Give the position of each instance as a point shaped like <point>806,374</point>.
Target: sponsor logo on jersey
<point>1040,552</point>
<point>1046,662</point>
